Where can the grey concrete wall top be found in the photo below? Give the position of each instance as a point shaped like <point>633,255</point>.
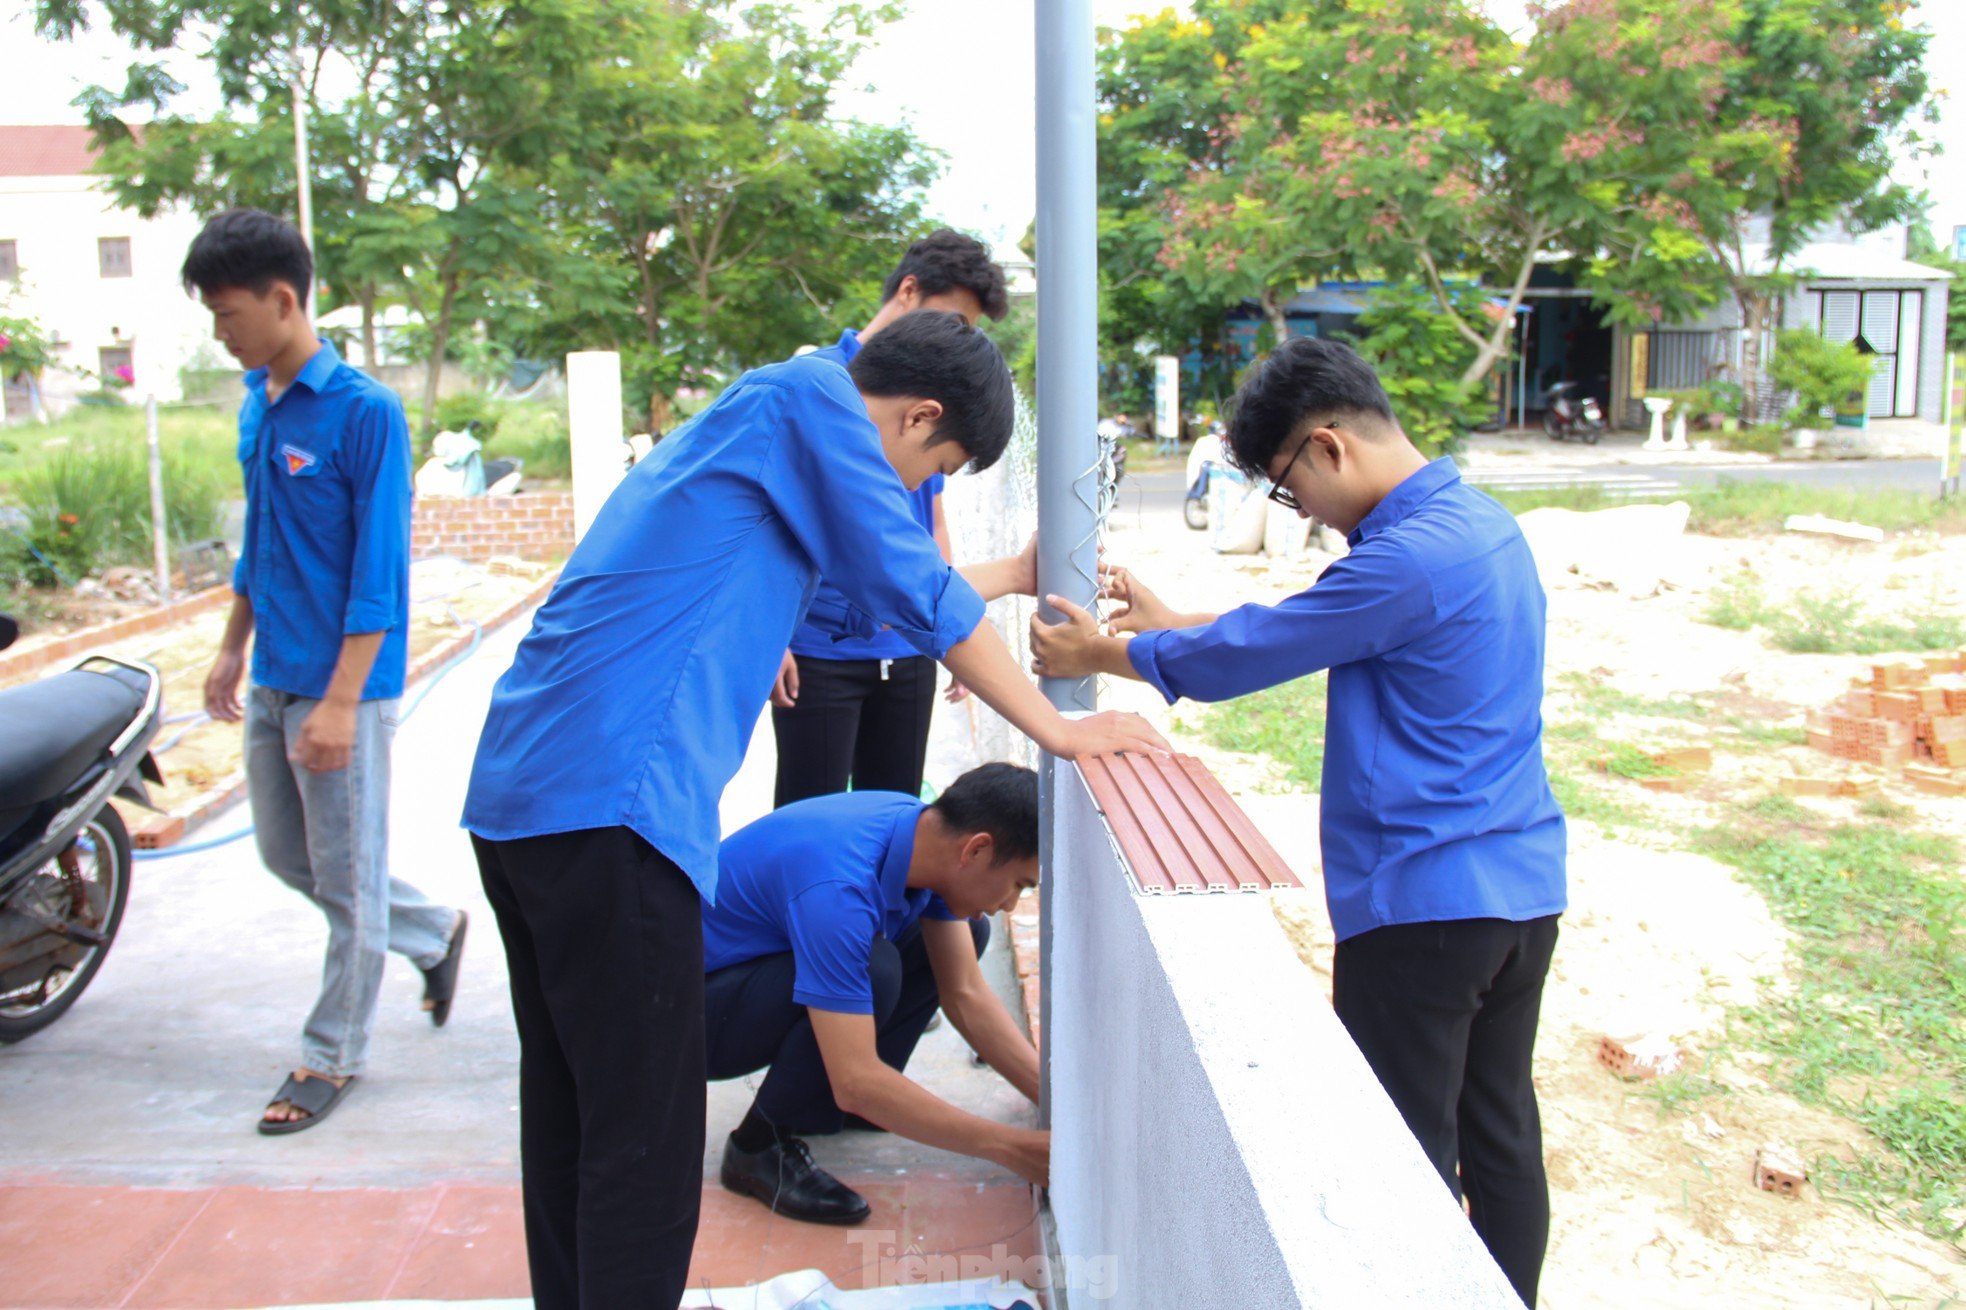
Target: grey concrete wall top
<point>1218,1140</point>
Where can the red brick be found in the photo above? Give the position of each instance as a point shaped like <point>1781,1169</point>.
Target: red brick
<point>1780,1170</point>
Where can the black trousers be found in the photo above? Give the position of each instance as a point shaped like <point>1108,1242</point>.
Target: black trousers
<point>1445,1013</point>
<point>751,1022</point>
<point>604,941</point>
<point>852,724</point>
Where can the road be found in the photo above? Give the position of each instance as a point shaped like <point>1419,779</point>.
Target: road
<point>1152,489</point>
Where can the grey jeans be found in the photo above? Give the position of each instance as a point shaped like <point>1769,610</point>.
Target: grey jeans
<point>326,835</point>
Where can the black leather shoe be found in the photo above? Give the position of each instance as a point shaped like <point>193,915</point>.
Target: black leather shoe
<point>784,1177</point>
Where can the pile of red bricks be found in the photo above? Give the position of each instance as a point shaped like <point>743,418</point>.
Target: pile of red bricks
<point>1909,715</point>
<point>535,526</point>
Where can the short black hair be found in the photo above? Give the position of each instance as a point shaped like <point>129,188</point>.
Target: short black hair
<point>1304,378</point>
<point>1000,799</point>
<point>945,260</point>
<point>249,248</point>
<point>934,355</point>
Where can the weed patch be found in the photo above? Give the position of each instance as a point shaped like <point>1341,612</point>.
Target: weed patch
<point>1285,722</point>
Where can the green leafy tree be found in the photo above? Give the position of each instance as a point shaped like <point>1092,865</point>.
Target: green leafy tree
<point>1820,99</point>
<point>709,211</point>
<point>1278,144</point>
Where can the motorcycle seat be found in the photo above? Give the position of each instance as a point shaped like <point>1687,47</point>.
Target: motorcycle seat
<point>52,730</point>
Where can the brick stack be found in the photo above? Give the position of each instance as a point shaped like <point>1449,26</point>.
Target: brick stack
<point>534,526</point>
<point>1909,715</point>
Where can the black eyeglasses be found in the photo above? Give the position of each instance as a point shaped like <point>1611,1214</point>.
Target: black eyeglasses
<point>1279,493</point>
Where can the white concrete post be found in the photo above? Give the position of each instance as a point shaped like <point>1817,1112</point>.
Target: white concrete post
<point>594,428</point>
<point>159,530</point>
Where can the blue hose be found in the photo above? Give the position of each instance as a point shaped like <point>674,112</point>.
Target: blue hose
<point>470,649</point>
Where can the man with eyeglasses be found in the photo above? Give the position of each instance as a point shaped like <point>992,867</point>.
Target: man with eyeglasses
<point>1443,846</point>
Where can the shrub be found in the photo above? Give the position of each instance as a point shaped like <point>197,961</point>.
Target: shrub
<point>1420,358</point>
<point>1826,377</point>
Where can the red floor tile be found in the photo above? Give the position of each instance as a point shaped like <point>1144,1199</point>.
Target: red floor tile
<point>85,1246</point>
<point>251,1247</point>
<point>474,1248</point>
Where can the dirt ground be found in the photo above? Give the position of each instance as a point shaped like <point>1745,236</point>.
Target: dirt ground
<point>1652,1207</point>
<point>444,597</point>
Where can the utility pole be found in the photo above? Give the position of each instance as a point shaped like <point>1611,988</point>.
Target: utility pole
<point>304,180</point>
<point>1068,390</point>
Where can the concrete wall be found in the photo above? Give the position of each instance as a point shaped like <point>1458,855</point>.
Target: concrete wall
<point>55,223</point>
<point>1218,1141</point>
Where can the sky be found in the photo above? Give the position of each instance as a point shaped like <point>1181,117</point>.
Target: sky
<point>978,109</point>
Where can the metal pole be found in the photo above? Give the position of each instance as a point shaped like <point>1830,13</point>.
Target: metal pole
<point>1522,370</point>
<point>159,532</point>
<point>304,180</point>
<point>1068,394</point>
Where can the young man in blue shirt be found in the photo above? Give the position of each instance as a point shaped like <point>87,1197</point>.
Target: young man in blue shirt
<point>1443,847</point>
<point>850,710</point>
<point>324,578</point>
<point>628,707</point>
<point>841,923</point>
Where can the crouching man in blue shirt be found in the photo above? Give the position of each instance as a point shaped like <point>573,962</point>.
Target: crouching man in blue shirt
<point>841,923</point>
<point>1443,847</point>
<point>324,576</point>
<point>628,707</point>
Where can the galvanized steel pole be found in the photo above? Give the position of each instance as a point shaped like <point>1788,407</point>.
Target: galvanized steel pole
<point>1068,396</point>
<point>1068,319</point>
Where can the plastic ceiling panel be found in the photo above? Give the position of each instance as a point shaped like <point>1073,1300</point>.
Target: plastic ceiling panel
<point>1179,830</point>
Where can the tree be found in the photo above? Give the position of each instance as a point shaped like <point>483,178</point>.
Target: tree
<point>1415,140</point>
<point>709,213</point>
<point>1821,96</point>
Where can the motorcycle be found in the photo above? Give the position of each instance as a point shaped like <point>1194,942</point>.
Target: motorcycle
<point>67,744</point>
<point>1570,414</point>
<point>1205,456</point>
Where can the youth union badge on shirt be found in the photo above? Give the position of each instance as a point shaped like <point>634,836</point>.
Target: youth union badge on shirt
<point>298,461</point>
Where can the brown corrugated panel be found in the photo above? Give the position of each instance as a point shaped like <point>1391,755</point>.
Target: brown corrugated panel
<point>1179,829</point>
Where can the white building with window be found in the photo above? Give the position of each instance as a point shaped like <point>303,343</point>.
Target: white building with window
<point>103,281</point>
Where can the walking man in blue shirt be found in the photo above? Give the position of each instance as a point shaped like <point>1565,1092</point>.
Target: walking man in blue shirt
<point>1443,847</point>
<point>324,577</point>
<point>593,800</point>
<point>841,923</point>
<point>850,710</point>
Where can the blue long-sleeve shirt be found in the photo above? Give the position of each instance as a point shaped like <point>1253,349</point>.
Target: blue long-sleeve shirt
<point>632,699</point>
<point>327,546</point>
<point>821,878</point>
<point>1436,805</point>
<point>824,635</point>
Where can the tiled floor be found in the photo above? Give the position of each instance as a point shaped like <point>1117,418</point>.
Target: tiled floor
<point>232,1247</point>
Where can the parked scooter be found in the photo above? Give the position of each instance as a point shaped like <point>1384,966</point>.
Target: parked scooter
<point>1204,457</point>
<point>457,468</point>
<point>1570,415</point>
<point>67,744</point>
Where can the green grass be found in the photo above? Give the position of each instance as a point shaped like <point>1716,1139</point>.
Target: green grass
<point>1733,507</point>
<point>535,431</point>
<point>1761,441</point>
<point>1285,722</point>
<point>1830,623</point>
<point>84,484</point>
<point>1870,1027</point>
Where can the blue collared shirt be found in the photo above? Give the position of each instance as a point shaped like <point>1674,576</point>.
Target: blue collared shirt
<point>632,699</point>
<point>823,636</point>
<point>1435,804</point>
<point>822,878</point>
<point>327,548</point>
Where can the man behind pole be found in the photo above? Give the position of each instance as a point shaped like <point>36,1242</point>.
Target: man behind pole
<point>1443,846</point>
<point>841,923</point>
<point>850,710</point>
<point>593,800</point>
<point>324,576</point>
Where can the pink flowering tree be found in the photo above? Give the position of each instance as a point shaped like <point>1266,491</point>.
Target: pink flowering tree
<point>1416,140</point>
<point>25,348</point>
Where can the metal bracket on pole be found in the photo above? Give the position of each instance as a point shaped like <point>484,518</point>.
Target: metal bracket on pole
<point>1068,388</point>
